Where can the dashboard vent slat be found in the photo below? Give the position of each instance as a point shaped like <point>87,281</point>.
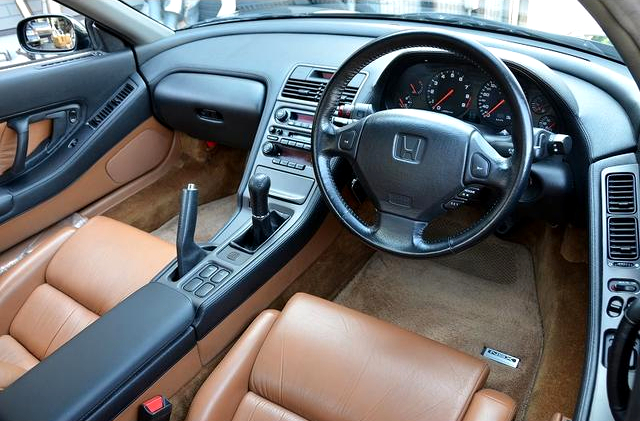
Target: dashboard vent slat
<point>623,238</point>
<point>621,193</point>
<point>308,90</point>
<point>111,105</point>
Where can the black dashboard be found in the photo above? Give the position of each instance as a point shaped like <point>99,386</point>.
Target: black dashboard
<point>450,85</point>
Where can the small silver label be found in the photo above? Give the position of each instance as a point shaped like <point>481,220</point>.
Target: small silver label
<point>500,357</point>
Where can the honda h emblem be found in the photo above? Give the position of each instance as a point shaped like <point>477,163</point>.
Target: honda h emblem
<point>408,148</point>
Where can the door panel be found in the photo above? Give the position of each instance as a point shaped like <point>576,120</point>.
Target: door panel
<point>90,132</point>
<point>150,143</point>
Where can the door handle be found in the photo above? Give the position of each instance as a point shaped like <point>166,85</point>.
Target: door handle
<point>21,127</point>
<point>63,120</point>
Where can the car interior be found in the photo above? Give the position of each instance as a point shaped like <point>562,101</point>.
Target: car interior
<point>320,210</point>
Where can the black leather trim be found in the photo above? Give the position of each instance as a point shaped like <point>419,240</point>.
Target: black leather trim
<point>65,165</point>
<point>96,374</point>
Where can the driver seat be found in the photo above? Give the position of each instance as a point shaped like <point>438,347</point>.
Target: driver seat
<point>323,362</point>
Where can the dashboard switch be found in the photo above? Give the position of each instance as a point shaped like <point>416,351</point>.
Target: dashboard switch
<point>479,166</point>
<point>282,115</point>
<point>623,285</point>
<point>614,308</point>
<point>269,149</point>
<point>347,140</point>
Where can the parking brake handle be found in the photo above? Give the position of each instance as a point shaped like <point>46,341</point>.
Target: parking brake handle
<point>189,253</point>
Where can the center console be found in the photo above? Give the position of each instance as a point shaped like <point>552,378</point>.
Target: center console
<point>238,260</point>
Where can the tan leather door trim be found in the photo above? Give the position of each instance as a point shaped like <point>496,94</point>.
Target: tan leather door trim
<point>38,133</point>
<point>93,184</point>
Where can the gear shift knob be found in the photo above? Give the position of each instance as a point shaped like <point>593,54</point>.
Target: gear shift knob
<point>259,186</point>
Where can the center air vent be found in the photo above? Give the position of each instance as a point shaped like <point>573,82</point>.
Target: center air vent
<point>623,238</point>
<point>111,105</point>
<point>311,91</point>
<point>621,193</point>
<point>308,83</point>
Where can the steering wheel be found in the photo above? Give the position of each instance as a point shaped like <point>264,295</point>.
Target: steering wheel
<point>413,162</point>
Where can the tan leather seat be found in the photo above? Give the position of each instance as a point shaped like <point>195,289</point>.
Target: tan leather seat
<point>322,362</point>
<point>68,282</point>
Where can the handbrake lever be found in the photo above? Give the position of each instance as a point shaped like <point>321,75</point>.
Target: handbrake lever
<point>189,253</point>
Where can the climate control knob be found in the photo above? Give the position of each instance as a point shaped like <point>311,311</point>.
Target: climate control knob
<point>270,149</point>
<point>282,115</point>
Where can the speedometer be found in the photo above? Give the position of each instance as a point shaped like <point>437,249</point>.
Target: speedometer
<point>492,105</point>
<point>449,93</point>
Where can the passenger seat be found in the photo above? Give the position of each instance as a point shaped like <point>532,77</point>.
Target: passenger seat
<point>67,283</point>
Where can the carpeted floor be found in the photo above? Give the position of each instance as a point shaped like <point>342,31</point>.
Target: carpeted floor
<point>216,172</point>
<point>211,217</point>
<point>485,296</point>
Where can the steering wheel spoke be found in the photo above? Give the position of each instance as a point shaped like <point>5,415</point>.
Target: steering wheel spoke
<point>342,141</point>
<point>485,166</point>
<point>403,233</point>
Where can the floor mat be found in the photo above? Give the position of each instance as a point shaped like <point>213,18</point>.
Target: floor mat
<point>211,217</point>
<point>485,296</point>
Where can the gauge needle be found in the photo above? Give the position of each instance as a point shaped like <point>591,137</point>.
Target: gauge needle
<point>413,89</point>
<point>498,105</point>
<point>443,99</point>
<point>401,102</point>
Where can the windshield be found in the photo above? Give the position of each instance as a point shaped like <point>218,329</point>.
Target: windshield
<point>560,21</point>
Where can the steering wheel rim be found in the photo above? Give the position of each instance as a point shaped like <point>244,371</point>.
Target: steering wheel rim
<point>401,223</point>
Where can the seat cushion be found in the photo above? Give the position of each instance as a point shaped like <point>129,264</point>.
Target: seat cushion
<point>105,262</point>
<point>323,362</point>
<point>48,319</point>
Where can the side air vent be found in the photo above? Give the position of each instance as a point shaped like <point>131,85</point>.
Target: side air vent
<point>623,238</point>
<point>621,193</point>
<point>111,105</point>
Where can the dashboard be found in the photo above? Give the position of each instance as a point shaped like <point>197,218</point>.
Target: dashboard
<point>455,87</point>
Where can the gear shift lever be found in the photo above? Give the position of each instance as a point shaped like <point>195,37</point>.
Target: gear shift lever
<point>259,186</point>
<point>189,253</point>
<point>264,222</point>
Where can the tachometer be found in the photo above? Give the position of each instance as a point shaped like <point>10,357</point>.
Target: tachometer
<point>492,105</point>
<point>449,93</point>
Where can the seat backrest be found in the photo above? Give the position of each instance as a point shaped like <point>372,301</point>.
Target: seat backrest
<point>96,268</point>
<point>320,361</point>
<point>358,367</point>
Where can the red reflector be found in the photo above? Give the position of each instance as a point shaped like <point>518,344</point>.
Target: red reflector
<point>211,144</point>
<point>154,404</point>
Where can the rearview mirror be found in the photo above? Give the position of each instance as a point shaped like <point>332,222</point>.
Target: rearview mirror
<point>52,34</point>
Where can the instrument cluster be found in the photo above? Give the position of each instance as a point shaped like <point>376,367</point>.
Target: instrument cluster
<point>463,91</point>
